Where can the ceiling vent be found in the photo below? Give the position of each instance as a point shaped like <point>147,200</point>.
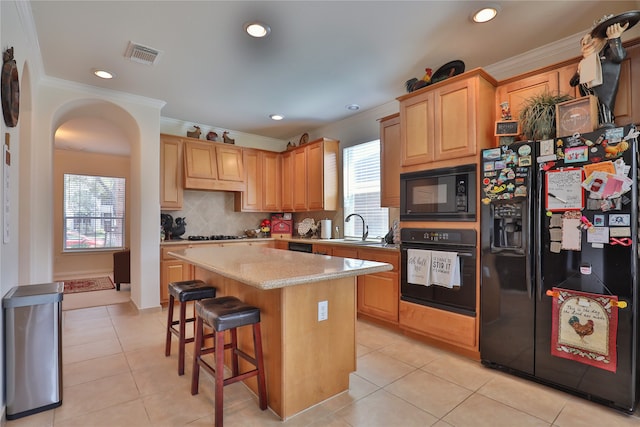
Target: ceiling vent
<point>142,54</point>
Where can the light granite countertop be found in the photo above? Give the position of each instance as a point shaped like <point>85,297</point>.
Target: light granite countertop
<point>343,242</point>
<point>267,268</point>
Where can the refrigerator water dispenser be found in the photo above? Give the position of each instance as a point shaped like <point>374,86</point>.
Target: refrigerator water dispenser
<point>507,226</point>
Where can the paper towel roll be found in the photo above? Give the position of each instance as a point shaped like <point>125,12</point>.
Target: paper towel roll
<point>325,228</point>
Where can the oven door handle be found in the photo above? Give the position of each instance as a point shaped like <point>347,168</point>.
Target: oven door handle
<point>465,254</point>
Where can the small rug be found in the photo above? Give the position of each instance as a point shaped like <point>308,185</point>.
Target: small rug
<point>88,285</point>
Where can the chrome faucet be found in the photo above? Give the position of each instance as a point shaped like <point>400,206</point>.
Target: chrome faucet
<point>365,227</point>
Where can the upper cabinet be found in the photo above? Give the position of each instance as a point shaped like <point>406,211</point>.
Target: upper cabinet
<point>517,92</point>
<point>287,181</point>
<point>322,175</point>
<point>170,172</point>
<point>271,181</point>
<point>212,166</point>
<point>555,79</point>
<point>390,161</point>
<point>263,176</point>
<point>447,121</point>
<point>310,177</point>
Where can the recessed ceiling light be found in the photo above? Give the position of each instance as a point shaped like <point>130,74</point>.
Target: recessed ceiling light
<point>103,74</point>
<point>485,14</point>
<point>257,29</point>
<point>352,107</point>
<point>276,116</point>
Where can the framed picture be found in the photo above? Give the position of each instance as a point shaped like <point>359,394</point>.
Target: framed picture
<point>577,116</point>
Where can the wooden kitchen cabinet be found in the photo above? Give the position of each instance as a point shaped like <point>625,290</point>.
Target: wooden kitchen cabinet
<point>172,270</point>
<point>299,184</point>
<point>555,79</point>
<point>379,293</point>
<point>447,121</point>
<point>171,191</point>
<point>390,161</point>
<point>250,200</point>
<point>287,181</point>
<point>271,181</point>
<point>212,166</point>
<point>516,92</point>
<point>322,175</point>
<point>310,177</point>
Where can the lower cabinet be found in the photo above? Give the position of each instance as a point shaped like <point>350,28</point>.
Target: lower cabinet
<point>172,270</point>
<point>378,293</point>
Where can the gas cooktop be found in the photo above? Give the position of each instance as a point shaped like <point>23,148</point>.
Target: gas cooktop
<point>215,237</point>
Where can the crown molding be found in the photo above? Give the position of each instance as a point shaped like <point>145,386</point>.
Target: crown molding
<point>560,50</point>
<point>102,92</point>
<point>25,15</point>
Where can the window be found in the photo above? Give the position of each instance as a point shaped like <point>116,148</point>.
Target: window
<point>93,212</point>
<point>361,176</point>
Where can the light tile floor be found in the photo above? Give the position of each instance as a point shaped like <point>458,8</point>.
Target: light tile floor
<point>115,374</point>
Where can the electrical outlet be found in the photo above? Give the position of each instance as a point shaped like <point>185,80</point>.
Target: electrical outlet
<point>323,310</point>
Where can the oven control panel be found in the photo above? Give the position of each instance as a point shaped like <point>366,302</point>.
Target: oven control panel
<point>443,236</point>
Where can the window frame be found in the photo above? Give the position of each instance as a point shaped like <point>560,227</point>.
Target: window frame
<point>357,194</point>
<point>101,226</point>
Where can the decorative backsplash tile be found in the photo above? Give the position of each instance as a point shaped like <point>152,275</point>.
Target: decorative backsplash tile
<point>212,212</point>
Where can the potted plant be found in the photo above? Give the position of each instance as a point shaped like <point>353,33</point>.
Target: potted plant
<point>538,116</point>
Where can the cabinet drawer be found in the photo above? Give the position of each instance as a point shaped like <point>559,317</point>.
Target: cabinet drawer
<point>164,251</point>
<point>380,256</point>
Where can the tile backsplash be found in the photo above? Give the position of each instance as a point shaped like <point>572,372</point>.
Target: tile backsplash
<point>212,212</point>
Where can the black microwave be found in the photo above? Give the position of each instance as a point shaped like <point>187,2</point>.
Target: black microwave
<point>447,194</point>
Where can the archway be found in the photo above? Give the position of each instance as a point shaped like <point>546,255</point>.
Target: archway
<point>90,137</point>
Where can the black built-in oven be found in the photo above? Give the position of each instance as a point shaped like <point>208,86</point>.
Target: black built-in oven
<point>459,299</point>
<point>446,194</point>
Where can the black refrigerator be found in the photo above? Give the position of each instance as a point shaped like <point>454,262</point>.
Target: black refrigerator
<point>559,263</point>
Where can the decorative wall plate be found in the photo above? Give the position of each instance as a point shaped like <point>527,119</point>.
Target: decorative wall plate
<point>304,139</point>
<point>10,90</point>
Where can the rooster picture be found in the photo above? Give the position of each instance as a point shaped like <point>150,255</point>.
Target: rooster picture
<point>581,330</point>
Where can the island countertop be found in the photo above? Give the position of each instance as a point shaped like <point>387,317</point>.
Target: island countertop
<point>267,268</point>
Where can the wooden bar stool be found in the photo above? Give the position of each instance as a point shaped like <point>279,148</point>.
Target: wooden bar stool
<point>221,314</point>
<point>189,290</point>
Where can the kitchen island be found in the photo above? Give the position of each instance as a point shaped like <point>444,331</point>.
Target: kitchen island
<point>307,360</point>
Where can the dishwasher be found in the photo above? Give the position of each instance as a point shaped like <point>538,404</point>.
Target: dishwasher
<point>301,247</point>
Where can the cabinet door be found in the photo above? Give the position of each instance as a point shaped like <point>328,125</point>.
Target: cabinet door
<point>344,251</point>
<point>315,177</point>
<point>455,120</point>
<point>170,173</point>
<point>390,161</point>
<point>271,182</point>
<point>287,181</point>
<point>229,161</point>
<point>417,129</point>
<point>518,91</point>
<point>299,182</point>
<point>250,200</point>
<point>173,271</point>
<point>378,295</point>
<point>200,165</point>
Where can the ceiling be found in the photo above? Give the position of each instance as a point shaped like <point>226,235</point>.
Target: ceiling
<point>319,57</point>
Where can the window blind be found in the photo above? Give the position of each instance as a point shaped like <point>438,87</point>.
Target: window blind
<point>361,178</point>
<point>94,212</point>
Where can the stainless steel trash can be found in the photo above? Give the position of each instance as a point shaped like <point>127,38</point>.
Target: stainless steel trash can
<point>33,348</point>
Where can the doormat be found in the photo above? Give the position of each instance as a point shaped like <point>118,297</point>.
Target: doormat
<point>88,285</point>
